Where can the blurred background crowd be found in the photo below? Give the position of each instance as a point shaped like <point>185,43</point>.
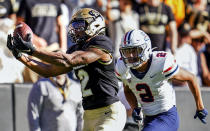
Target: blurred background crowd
<point>181,27</point>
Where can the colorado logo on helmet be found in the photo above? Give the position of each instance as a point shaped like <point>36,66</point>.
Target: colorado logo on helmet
<point>94,13</point>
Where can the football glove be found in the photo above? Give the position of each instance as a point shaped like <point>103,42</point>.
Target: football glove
<point>16,53</point>
<point>136,114</point>
<point>201,115</point>
<point>25,46</point>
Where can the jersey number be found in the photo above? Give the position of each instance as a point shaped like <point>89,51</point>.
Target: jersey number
<point>161,54</point>
<point>147,95</point>
<point>84,78</point>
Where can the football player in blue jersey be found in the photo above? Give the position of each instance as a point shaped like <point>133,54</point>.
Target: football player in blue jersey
<point>92,60</point>
<point>145,75</point>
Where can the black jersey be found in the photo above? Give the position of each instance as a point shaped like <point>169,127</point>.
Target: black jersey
<point>98,80</point>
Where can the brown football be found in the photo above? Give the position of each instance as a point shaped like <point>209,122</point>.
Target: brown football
<point>22,29</point>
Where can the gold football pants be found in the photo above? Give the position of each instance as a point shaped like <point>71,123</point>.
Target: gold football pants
<point>109,118</point>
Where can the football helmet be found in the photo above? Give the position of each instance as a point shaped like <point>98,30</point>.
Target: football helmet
<point>86,23</point>
<point>135,48</point>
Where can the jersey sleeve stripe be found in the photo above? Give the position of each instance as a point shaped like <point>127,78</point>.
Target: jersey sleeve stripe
<point>172,72</point>
<point>168,69</point>
<point>105,62</point>
<point>117,73</point>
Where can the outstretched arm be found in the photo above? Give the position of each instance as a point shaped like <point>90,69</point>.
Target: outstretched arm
<point>77,58</point>
<point>192,81</point>
<point>44,69</point>
<point>58,62</point>
<point>62,59</point>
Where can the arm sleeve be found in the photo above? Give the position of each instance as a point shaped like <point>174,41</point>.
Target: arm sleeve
<point>102,42</point>
<point>170,66</point>
<point>34,108</point>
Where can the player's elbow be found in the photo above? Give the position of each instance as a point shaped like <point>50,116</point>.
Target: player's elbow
<point>192,78</point>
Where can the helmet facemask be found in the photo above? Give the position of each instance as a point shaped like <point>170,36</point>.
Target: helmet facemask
<point>135,48</point>
<point>133,56</point>
<point>77,31</point>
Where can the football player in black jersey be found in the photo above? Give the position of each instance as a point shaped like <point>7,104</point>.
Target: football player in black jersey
<point>93,62</point>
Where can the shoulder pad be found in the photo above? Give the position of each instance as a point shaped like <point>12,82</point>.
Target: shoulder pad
<point>102,42</point>
<point>170,66</point>
<point>121,70</point>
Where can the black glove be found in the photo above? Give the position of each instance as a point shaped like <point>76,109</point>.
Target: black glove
<point>136,114</point>
<point>24,46</point>
<point>201,115</point>
<point>16,53</point>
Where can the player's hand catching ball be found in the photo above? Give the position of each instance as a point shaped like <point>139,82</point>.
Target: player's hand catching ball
<point>16,53</point>
<point>22,38</point>
<point>25,46</point>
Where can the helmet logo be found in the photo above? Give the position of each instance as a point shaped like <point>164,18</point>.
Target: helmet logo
<point>86,23</point>
<point>93,13</point>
